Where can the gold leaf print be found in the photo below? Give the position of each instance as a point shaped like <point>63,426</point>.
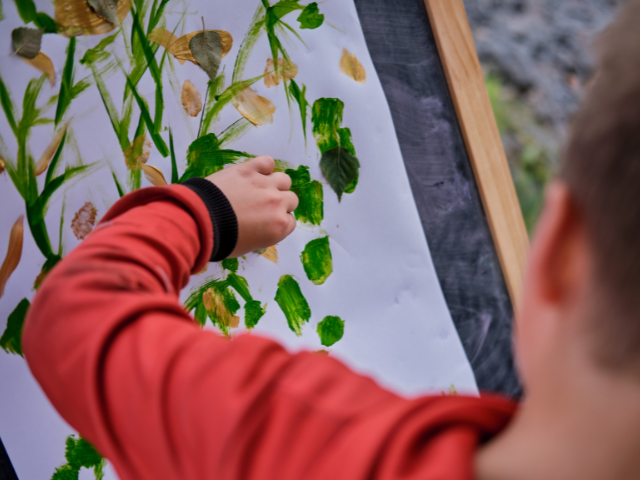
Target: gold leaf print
<point>286,71</point>
<point>137,153</point>
<point>191,99</point>
<point>80,19</point>
<point>180,48</point>
<point>154,175</point>
<point>271,254</point>
<point>48,153</point>
<point>84,220</point>
<point>214,303</point>
<point>351,66</point>
<point>258,110</point>
<point>14,252</point>
<point>44,64</point>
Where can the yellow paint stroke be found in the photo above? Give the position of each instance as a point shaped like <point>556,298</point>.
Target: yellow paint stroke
<point>164,38</point>
<point>79,19</point>
<point>44,64</point>
<point>191,99</point>
<point>258,110</point>
<point>206,267</point>
<point>286,71</point>
<point>271,254</point>
<point>48,153</point>
<point>84,221</point>
<point>154,175</point>
<point>351,67</point>
<point>137,154</point>
<point>214,304</point>
<point>14,252</point>
<point>452,391</point>
<point>181,49</point>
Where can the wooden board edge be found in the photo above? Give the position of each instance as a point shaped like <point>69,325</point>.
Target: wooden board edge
<point>461,65</point>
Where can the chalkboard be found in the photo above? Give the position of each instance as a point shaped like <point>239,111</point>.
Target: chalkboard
<point>403,48</point>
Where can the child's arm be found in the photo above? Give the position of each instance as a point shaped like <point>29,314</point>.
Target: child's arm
<point>161,399</point>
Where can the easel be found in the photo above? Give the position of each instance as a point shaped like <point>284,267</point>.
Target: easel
<point>475,116</point>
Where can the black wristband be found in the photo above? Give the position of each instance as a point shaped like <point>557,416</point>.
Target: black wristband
<point>223,218</point>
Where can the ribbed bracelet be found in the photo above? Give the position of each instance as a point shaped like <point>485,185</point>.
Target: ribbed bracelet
<point>223,218</point>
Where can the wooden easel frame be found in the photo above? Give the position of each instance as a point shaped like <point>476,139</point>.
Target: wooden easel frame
<point>466,84</point>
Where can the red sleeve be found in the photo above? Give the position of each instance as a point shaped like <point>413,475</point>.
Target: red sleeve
<point>127,367</point>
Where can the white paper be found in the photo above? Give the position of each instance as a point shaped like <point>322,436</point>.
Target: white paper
<point>398,329</point>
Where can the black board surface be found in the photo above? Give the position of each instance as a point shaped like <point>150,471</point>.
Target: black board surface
<point>404,52</point>
<point>6,469</point>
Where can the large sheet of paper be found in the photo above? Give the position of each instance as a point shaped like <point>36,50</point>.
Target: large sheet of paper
<point>355,280</point>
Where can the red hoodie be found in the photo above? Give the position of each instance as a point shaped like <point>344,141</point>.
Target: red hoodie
<point>160,398</point>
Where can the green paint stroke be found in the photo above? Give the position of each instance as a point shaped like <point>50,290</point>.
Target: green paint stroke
<point>299,96</point>
<point>317,261</point>
<point>330,330</point>
<point>310,195</point>
<point>248,43</point>
<point>11,340</point>
<point>231,264</point>
<point>326,117</point>
<point>339,163</point>
<point>205,157</point>
<point>79,454</point>
<point>252,308</point>
<point>292,303</point>
<point>253,312</point>
<point>26,10</point>
<point>311,17</point>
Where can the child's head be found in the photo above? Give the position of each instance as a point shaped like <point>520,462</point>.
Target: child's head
<point>582,296</point>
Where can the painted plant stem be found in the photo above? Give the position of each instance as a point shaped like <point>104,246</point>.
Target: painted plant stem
<point>255,31</point>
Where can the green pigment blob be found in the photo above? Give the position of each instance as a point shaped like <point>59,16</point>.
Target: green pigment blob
<point>330,330</point>
<point>240,285</point>
<point>310,194</point>
<point>11,340</point>
<point>339,163</point>
<point>300,96</point>
<point>231,264</point>
<point>311,17</point>
<point>316,260</point>
<point>326,116</point>
<point>205,157</point>
<point>79,454</point>
<point>253,312</point>
<point>292,303</point>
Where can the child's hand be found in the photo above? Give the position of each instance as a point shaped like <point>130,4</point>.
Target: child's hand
<point>261,200</point>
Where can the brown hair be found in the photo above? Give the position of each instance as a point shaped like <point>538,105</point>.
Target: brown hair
<point>602,169</point>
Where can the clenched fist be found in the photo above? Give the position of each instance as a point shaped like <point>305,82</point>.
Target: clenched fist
<point>261,201</point>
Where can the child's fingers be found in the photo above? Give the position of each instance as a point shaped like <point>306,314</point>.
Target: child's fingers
<point>262,164</point>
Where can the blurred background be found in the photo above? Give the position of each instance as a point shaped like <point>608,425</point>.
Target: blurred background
<point>537,56</point>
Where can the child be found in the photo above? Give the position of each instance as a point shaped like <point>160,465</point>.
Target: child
<point>161,399</point>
